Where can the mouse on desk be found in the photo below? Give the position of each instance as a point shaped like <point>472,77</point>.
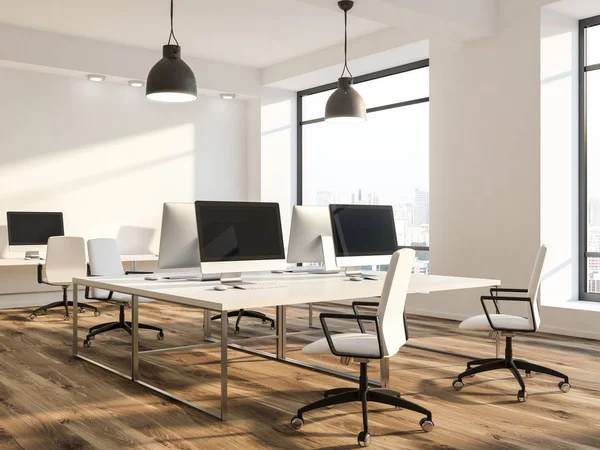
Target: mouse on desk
<point>356,278</point>
<point>220,287</point>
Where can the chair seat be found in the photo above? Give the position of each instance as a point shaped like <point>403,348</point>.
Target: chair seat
<point>359,344</point>
<point>480,323</point>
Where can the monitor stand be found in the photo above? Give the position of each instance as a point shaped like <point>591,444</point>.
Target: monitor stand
<point>355,271</point>
<point>232,278</point>
<point>329,262</point>
<point>32,255</point>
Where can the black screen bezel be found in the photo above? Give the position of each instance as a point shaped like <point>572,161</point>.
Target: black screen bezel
<point>10,214</point>
<point>336,236</point>
<point>204,259</point>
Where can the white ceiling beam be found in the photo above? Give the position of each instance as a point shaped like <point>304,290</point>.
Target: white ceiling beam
<point>377,42</point>
<point>459,20</point>
<point>57,53</point>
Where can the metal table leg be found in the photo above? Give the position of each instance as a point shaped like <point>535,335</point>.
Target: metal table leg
<point>207,323</point>
<point>224,347</point>
<point>135,363</point>
<point>75,309</point>
<point>281,331</point>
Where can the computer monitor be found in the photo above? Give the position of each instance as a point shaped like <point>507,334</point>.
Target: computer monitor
<point>311,239</point>
<point>363,235</point>
<point>178,247</point>
<point>29,231</point>
<point>178,237</point>
<point>236,237</point>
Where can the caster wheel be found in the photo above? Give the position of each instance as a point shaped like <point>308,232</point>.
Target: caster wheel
<point>82,310</point>
<point>97,313</point>
<point>426,424</point>
<point>90,338</point>
<point>44,313</point>
<point>237,331</point>
<point>87,343</point>
<point>529,374</point>
<point>272,326</point>
<point>364,439</point>
<point>264,321</point>
<point>32,316</point>
<point>522,396</point>
<point>160,336</point>
<point>297,422</point>
<point>564,386</point>
<point>67,317</point>
<point>458,385</point>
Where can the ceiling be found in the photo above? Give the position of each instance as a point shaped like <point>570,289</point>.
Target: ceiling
<point>254,33</point>
<point>579,9</point>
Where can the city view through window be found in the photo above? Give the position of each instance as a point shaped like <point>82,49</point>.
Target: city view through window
<point>384,161</point>
<point>592,96</point>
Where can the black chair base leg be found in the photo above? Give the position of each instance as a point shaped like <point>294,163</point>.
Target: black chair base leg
<point>337,391</point>
<point>246,313</point>
<point>514,365</point>
<point>120,325</point>
<point>364,395</point>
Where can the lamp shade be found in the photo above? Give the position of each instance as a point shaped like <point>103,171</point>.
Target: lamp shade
<point>171,79</point>
<point>345,105</point>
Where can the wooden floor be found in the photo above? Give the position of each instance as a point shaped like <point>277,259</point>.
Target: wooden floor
<point>50,401</point>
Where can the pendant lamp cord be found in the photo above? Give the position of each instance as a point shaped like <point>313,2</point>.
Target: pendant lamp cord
<point>346,46</point>
<point>172,34</point>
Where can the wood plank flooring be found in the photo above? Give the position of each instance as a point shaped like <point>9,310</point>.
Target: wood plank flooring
<point>48,400</point>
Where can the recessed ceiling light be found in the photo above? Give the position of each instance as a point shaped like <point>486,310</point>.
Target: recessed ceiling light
<point>96,78</point>
<point>136,83</point>
<point>227,96</point>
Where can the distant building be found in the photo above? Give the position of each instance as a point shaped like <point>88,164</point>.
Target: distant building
<point>360,197</point>
<point>421,207</point>
<point>594,211</point>
<point>325,198</point>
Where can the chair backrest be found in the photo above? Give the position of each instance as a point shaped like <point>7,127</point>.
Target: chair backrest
<point>393,299</point>
<point>65,259</point>
<point>105,260</point>
<point>533,291</point>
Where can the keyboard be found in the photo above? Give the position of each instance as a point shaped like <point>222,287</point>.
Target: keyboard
<point>253,286</point>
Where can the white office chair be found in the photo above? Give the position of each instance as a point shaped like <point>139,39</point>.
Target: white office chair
<point>65,260</point>
<point>391,335</point>
<point>105,260</point>
<point>508,325</point>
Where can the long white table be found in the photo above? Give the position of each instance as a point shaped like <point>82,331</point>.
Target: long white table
<point>297,289</point>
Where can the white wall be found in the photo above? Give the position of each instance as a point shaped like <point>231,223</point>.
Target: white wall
<point>108,158</point>
<point>484,158</point>
<point>559,155</point>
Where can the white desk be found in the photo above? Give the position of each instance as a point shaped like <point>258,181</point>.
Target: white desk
<point>298,289</point>
<point>16,262</point>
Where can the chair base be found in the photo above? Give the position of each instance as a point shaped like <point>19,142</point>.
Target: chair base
<point>120,325</point>
<point>514,365</point>
<point>246,313</point>
<point>43,310</point>
<point>364,394</point>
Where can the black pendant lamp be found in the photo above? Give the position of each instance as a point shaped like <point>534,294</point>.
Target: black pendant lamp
<point>345,105</point>
<point>171,79</point>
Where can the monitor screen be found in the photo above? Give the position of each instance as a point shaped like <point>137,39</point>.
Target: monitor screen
<point>363,230</point>
<point>33,228</point>
<point>239,231</point>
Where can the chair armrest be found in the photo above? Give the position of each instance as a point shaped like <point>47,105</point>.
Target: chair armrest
<point>353,317</point>
<point>40,268</point>
<point>355,306</point>
<point>87,288</point>
<point>495,290</point>
<point>496,299</point>
<point>135,272</point>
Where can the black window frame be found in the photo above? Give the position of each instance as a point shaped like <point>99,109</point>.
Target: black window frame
<point>583,169</point>
<point>359,79</point>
